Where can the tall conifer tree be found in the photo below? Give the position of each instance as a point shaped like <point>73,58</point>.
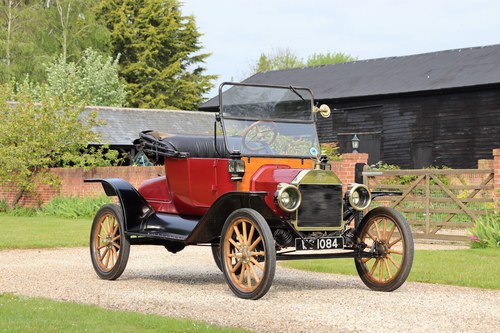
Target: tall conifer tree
<point>159,52</point>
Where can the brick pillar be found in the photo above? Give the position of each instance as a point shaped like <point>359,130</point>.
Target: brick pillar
<point>496,181</point>
<point>345,168</point>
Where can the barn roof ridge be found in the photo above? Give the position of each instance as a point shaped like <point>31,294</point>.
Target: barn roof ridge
<point>431,71</point>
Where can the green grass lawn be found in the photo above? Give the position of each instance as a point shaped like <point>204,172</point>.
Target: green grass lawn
<point>19,232</point>
<point>22,314</point>
<point>471,268</point>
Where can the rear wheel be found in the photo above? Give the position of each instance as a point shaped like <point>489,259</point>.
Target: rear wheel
<point>109,247</point>
<point>248,254</point>
<point>387,234</point>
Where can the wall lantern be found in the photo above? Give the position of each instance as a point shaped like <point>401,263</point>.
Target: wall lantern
<point>355,143</point>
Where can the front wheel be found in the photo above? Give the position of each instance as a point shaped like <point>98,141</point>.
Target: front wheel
<point>216,254</point>
<point>248,254</point>
<point>388,236</point>
<point>109,247</point>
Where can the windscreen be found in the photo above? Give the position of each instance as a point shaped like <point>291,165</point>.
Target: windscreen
<point>269,121</point>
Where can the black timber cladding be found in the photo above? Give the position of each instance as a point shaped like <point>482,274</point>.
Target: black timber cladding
<point>440,108</point>
<point>454,128</point>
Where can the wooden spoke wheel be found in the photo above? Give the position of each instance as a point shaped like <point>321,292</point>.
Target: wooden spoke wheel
<point>109,247</point>
<point>248,254</point>
<point>260,135</point>
<point>387,234</point>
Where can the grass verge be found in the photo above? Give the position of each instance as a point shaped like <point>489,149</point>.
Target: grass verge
<point>22,314</point>
<point>20,232</point>
<point>478,268</point>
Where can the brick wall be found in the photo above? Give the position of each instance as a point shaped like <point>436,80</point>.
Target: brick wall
<point>72,182</point>
<point>345,168</point>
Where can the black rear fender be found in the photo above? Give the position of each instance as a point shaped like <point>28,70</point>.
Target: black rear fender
<point>210,226</point>
<point>135,208</point>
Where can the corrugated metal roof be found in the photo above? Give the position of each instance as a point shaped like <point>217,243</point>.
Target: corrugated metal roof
<point>124,124</point>
<point>465,67</point>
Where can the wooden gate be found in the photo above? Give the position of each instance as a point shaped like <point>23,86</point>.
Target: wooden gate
<point>439,204</point>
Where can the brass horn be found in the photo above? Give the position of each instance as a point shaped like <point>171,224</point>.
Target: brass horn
<point>324,110</point>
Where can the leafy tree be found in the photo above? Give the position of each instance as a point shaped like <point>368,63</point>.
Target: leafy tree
<point>328,58</point>
<point>287,58</point>
<point>14,35</point>
<point>278,59</point>
<point>159,53</point>
<point>34,32</point>
<point>36,137</point>
<point>73,24</point>
<point>94,79</point>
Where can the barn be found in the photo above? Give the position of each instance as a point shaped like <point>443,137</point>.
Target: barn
<point>433,109</point>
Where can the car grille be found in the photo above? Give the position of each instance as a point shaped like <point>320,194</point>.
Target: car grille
<point>321,206</point>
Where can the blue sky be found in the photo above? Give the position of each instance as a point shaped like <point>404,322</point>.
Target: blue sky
<point>236,32</point>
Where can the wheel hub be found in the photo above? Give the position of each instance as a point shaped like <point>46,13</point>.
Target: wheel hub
<point>245,254</point>
<point>108,241</point>
<point>382,249</point>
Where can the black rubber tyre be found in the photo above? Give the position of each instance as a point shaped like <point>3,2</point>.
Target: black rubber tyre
<point>388,231</point>
<point>248,254</point>
<point>216,254</point>
<point>109,247</point>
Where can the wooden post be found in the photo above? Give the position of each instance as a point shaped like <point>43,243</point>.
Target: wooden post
<point>496,180</point>
<point>427,204</point>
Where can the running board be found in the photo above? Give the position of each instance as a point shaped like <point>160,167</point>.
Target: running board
<point>161,227</point>
<point>298,256</point>
<point>158,235</point>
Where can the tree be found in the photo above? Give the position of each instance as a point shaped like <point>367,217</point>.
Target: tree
<point>159,53</point>
<point>14,36</point>
<point>318,59</point>
<point>36,137</point>
<point>93,79</point>
<point>73,25</point>
<point>286,58</point>
<point>278,59</point>
<point>35,32</point>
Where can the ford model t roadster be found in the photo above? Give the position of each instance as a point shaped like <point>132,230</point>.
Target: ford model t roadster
<point>256,191</point>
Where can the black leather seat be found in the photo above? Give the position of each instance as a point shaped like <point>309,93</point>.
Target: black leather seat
<point>181,145</point>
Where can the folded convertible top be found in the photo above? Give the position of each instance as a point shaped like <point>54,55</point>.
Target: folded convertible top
<point>181,145</point>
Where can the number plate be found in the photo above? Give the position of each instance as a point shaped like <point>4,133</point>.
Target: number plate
<point>326,243</point>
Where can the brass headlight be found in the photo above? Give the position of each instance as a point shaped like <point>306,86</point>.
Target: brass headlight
<point>359,196</point>
<point>287,197</point>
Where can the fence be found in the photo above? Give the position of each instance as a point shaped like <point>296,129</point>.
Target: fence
<point>439,204</point>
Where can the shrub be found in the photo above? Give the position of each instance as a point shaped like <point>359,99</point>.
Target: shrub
<point>486,232</point>
<point>332,151</point>
<point>74,207</point>
<point>3,205</point>
<point>22,211</point>
<point>66,207</point>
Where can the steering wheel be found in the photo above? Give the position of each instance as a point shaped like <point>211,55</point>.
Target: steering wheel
<point>262,133</point>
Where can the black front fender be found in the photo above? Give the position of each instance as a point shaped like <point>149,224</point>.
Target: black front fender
<point>210,225</point>
<point>134,207</point>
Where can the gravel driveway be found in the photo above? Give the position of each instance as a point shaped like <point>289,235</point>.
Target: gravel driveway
<point>189,285</point>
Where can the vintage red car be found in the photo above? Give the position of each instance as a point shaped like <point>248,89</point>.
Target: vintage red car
<point>256,191</point>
